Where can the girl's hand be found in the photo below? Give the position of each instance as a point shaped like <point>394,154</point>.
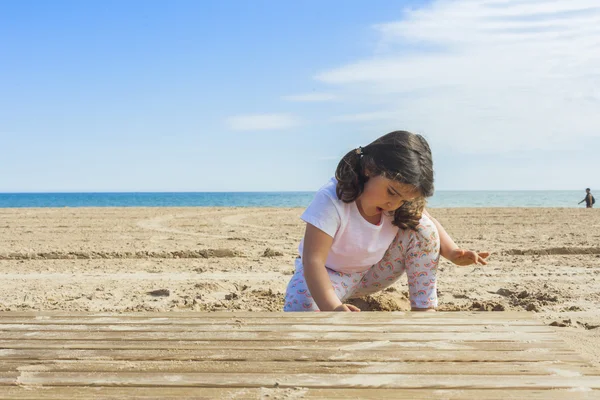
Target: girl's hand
<point>467,257</point>
<point>347,307</point>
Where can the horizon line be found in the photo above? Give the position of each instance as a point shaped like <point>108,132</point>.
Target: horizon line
<point>270,191</point>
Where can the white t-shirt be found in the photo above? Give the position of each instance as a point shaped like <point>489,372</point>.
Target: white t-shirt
<point>357,243</point>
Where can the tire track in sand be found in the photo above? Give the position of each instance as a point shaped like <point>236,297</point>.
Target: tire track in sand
<point>160,224</point>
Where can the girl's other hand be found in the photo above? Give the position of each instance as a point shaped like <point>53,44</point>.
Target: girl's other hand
<point>347,307</point>
<point>467,257</point>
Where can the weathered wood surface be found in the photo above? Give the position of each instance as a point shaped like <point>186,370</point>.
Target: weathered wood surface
<point>240,355</point>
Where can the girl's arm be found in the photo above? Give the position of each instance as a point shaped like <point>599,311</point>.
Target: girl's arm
<point>450,251</point>
<point>447,245</point>
<point>314,254</point>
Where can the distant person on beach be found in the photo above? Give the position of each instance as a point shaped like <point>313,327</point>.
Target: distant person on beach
<point>589,199</point>
<point>368,226</point>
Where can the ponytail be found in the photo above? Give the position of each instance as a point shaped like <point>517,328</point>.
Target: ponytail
<point>350,176</point>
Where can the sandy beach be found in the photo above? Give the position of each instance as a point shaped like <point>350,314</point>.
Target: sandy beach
<point>544,261</point>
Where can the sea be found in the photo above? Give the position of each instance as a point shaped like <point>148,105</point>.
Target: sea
<point>551,198</point>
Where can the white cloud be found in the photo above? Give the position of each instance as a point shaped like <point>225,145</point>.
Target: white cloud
<point>484,75</point>
<point>311,97</point>
<point>262,122</point>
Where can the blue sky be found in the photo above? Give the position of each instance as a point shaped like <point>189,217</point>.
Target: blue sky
<point>268,95</point>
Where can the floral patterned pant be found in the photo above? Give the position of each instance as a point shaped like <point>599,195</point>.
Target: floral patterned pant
<point>414,252</point>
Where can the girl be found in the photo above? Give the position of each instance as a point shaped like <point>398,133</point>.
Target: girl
<point>368,225</point>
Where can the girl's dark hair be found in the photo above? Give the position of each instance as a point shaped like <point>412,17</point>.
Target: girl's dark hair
<point>400,156</point>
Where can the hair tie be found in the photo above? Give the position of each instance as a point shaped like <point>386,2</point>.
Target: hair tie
<point>359,151</point>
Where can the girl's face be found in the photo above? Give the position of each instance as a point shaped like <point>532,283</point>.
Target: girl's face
<point>382,195</point>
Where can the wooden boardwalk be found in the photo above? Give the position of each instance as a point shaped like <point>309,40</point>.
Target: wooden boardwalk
<point>247,355</point>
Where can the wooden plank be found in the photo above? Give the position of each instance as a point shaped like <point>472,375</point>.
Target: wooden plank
<point>233,354</point>
<point>115,393</point>
<point>244,327</point>
<point>117,320</point>
<point>292,367</point>
<point>172,393</point>
<point>315,355</point>
<point>277,336</point>
<point>446,394</point>
<point>362,380</point>
<point>9,377</point>
<point>540,346</point>
<point>373,316</point>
